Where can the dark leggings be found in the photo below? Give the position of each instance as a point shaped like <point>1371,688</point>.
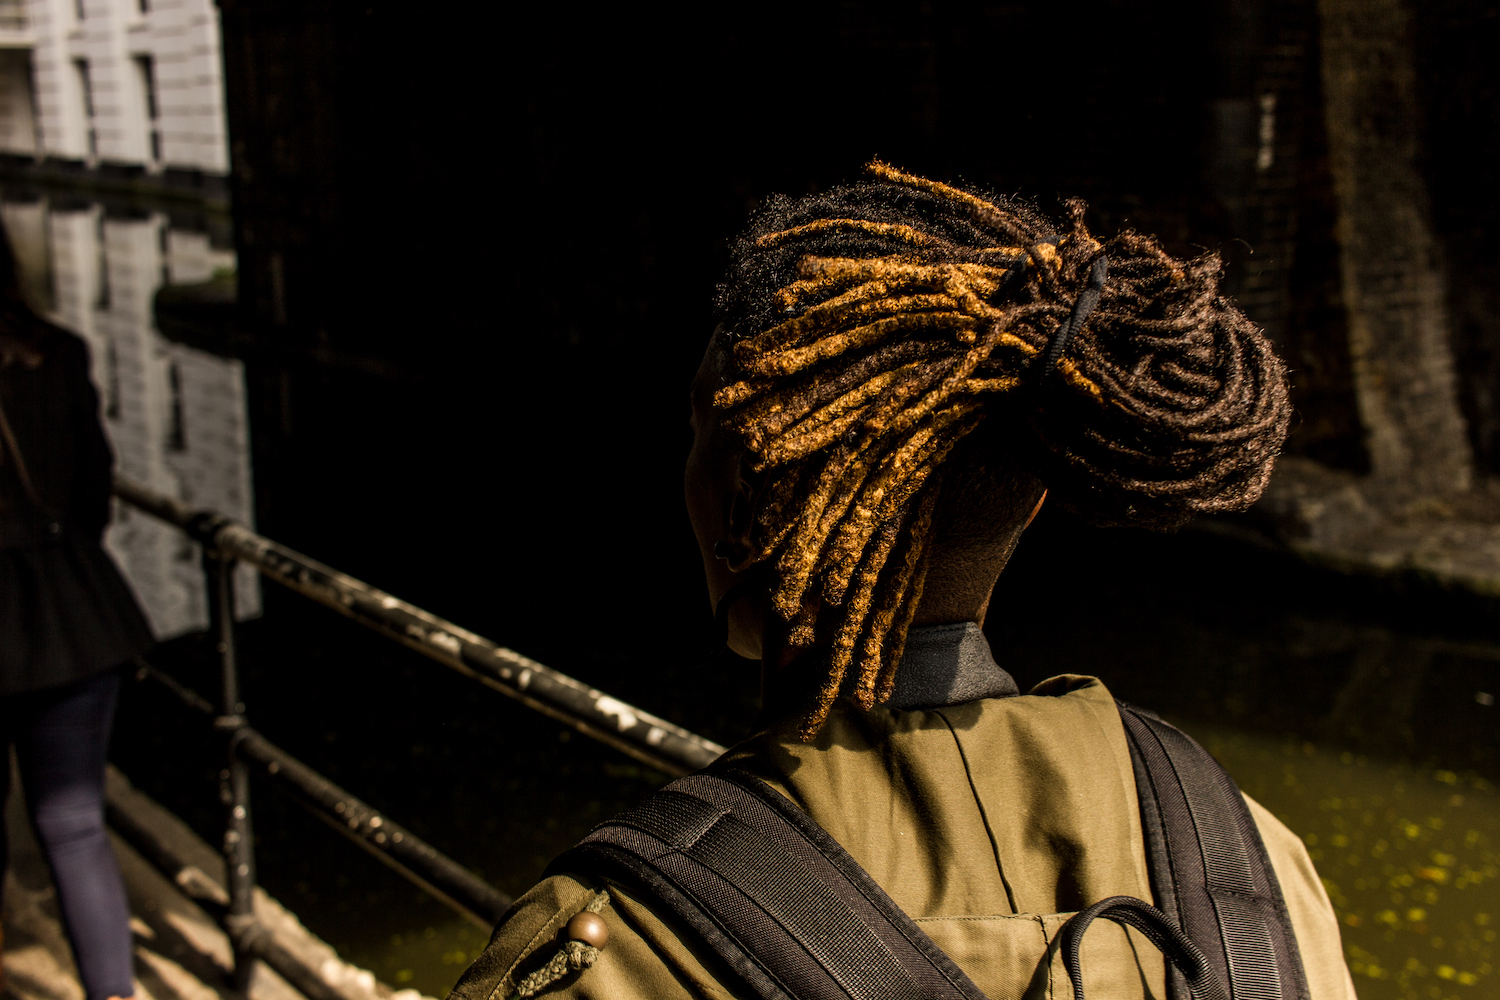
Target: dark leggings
<point>61,735</point>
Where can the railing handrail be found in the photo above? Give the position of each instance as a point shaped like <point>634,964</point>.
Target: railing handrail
<point>646,737</point>
<point>429,869</point>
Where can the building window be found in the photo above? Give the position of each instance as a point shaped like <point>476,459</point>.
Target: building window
<point>19,129</point>
<point>86,88</point>
<point>111,380</point>
<point>78,9</point>
<point>144,6</point>
<point>13,15</point>
<point>102,297</point>
<point>164,251</point>
<point>176,432</point>
<point>146,70</point>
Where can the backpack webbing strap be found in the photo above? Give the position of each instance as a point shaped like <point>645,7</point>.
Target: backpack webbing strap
<point>1209,869</point>
<point>770,892</point>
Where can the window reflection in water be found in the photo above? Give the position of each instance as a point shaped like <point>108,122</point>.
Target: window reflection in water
<point>176,416</point>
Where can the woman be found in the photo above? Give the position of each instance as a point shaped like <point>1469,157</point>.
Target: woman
<point>67,624</point>
<point>903,372</point>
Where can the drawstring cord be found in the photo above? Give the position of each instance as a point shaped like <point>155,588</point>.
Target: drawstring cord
<point>1176,947</point>
<point>573,956</point>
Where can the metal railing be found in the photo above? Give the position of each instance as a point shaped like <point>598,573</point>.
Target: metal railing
<point>224,542</point>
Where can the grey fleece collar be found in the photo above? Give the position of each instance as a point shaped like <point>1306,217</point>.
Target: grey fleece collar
<point>946,665</point>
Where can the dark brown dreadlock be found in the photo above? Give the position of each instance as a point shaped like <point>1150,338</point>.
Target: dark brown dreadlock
<point>878,325</point>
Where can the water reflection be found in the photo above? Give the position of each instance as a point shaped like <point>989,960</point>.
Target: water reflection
<point>176,416</point>
<point>1410,857</point>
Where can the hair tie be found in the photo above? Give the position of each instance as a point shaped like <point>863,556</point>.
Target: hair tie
<point>1085,303</point>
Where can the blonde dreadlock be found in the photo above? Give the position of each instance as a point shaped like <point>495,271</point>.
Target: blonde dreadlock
<point>877,326</point>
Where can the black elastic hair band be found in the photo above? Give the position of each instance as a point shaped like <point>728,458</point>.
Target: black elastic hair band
<point>1087,300</point>
<point>1016,271</point>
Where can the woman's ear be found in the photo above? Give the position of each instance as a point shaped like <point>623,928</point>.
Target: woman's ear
<point>742,512</point>
<point>737,544</point>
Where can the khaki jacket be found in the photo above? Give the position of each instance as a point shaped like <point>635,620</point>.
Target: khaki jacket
<point>989,823</point>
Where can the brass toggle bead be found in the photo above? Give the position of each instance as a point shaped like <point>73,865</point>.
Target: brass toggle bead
<point>588,928</point>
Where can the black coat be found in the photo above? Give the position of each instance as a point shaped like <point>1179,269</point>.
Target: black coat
<point>65,611</point>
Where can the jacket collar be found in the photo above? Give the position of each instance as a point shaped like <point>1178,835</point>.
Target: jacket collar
<point>941,665</point>
<point>947,665</point>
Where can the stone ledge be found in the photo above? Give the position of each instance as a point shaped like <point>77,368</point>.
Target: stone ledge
<point>1357,525</point>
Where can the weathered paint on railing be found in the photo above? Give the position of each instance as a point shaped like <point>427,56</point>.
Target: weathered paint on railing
<point>653,741</point>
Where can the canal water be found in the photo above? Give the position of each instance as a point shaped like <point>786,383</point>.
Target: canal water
<point>1361,715</point>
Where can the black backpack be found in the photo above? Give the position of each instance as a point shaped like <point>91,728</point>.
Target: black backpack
<point>796,918</point>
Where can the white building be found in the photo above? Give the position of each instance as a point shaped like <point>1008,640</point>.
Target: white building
<point>134,84</point>
<point>113,82</point>
<point>176,416</point>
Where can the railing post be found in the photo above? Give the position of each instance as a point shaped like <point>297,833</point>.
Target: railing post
<point>239,846</point>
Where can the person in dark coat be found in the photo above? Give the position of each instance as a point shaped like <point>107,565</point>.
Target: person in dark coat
<point>68,623</point>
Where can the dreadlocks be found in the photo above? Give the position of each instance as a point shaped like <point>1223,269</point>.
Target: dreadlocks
<point>877,326</point>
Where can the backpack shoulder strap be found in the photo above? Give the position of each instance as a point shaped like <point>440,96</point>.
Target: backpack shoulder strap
<point>769,891</point>
<point>1208,867</point>
<point>793,915</point>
